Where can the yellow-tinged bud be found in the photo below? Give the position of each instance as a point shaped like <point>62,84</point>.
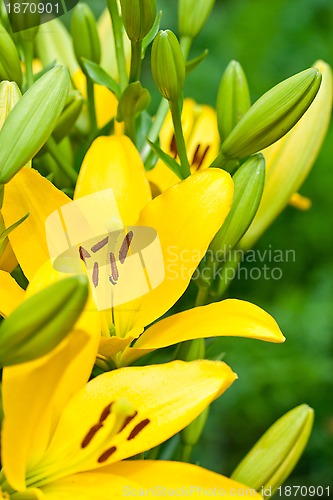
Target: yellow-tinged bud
<point>277,452</point>
<point>32,121</point>
<point>168,65</point>
<point>10,64</point>
<point>249,185</point>
<point>289,161</point>
<point>273,115</point>
<point>138,17</point>
<point>85,35</point>
<point>37,325</point>
<point>192,15</point>
<point>10,94</point>
<point>233,99</point>
<point>69,116</point>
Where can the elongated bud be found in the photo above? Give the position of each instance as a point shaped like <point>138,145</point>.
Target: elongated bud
<point>233,99</point>
<point>192,15</point>
<point>192,433</point>
<point>133,101</point>
<point>273,115</point>
<point>191,350</point>
<point>138,17</point>
<point>299,148</point>
<point>10,94</point>
<point>277,452</point>
<point>38,325</point>
<point>249,185</point>
<point>85,35</point>
<point>69,116</point>
<point>10,64</point>
<point>168,65</point>
<point>32,121</point>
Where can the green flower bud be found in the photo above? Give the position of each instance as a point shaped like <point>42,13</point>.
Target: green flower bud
<point>42,321</point>
<point>191,350</point>
<point>138,17</point>
<point>273,115</point>
<point>168,65</point>
<point>233,99</point>
<point>69,116</point>
<point>192,433</point>
<point>85,35</point>
<point>249,185</point>
<point>10,64</point>
<point>277,452</point>
<point>10,94</point>
<point>32,121</point>
<point>133,101</point>
<point>192,15</point>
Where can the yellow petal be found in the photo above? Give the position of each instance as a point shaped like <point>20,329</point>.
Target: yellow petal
<point>203,143</point>
<point>184,480</point>
<point>233,318</point>
<point>114,162</point>
<point>97,485</point>
<point>300,202</point>
<point>162,396</point>
<point>186,218</point>
<point>106,103</point>
<point>34,394</point>
<point>29,192</point>
<point>11,294</point>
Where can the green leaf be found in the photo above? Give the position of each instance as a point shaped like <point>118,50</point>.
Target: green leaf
<point>101,77</point>
<point>193,63</point>
<point>152,33</point>
<point>7,231</point>
<point>168,160</point>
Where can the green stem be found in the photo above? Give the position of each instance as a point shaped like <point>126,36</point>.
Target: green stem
<point>119,44</point>
<point>91,105</point>
<point>64,165</point>
<point>136,61</point>
<point>202,296</point>
<point>28,53</point>
<point>228,274</point>
<point>130,129</point>
<point>179,136</point>
<point>185,45</point>
<point>186,452</point>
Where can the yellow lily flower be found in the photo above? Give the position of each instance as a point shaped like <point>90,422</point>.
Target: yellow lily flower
<point>201,138</point>
<point>289,160</point>
<point>186,217</point>
<point>64,438</point>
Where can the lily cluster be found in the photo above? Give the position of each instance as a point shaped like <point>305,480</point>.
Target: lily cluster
<point>97,367</point>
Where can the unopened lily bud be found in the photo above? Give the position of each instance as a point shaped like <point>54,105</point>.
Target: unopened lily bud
<point>10,64</point>
<point>273,115</point>
<point>233,99</point>
<point>133,101</point>
<point>191,350</point>
<point>299,150</point>
<point>192,433</point>
<point>69,116</point>
<point>168,65</point>
<point>37,325</point>
<point>277,452</point>
<point>32,121</point>
<point>249,185</point>
<point>138,17</point>
<point>192,15</point>
<point>10,94</point>
<point>85,35</point>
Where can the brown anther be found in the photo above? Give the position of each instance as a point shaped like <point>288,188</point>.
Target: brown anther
<point>84,254</point>
<point>100,245</point>
<point>173,147</point>
<point>95,275</point>
<point>105,413</point>
<point>125,247</point>
<point>92,432</point>
<point>199,159</point>
<point>114,269</point>
<point>107,454</point>
<point>138,428</point>
<point>127,421</point>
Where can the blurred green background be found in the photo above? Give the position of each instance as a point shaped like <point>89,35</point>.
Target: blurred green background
<point>273,40</point>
